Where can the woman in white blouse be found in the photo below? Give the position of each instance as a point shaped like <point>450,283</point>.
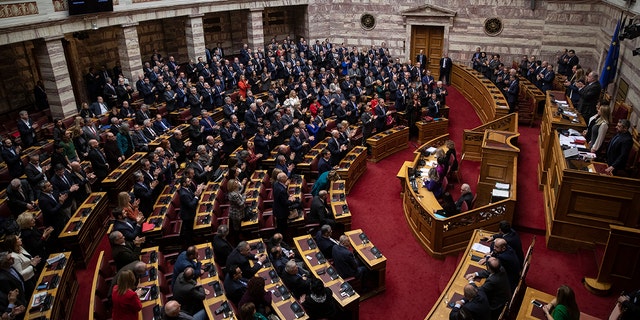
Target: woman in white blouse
<point>599,128</point>
<point>23,262</point>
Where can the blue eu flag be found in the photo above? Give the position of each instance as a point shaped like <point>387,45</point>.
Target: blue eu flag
<point>609,69</point>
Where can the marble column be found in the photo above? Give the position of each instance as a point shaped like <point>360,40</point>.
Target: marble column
<point>255,29</point>
<point>129,53</point>
<point>56,79</point>
<point>194,34</point>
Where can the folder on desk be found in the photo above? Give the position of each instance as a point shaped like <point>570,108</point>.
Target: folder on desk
<point>147,226</point>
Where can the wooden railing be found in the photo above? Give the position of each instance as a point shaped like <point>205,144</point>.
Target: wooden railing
<point>472,138</point>
<point>483,95</point>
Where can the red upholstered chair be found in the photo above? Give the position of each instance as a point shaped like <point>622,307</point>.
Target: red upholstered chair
<point>100,311</point>
<point>102,287</point>
<point>464,207</point>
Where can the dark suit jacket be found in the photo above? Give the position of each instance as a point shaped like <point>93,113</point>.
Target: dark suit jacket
<point>158,126</point>
<point>11,283</point>
<point>221,250</point>
<point>146,196</point>
<point>14,163</point>
<point>323,165</point>
<point>125,254</point>
<point>34,176</point>
<point>98,164</point>
<point>319,212</point>
<point>51,212</point>
<point>189,294</point>
<point>129,229</point>
<point>588,99</point>
<point>477,308</point>
<point>325,245</point>
<point>188,204</point>
<point>280,201</point>
<point>513,240</point>
<point>236,258</point>
<point>182,263</point>
<point>17,202</point>
<point>233,289</point>
<point>148,133</point>
<point>496,287</point>
<point>344,261</point>
<point>618,150</point>
<point>509,260</point>
<point>26,133</point>
<point>295,284</point>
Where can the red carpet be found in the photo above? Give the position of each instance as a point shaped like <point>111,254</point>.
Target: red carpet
<point>414,280</point>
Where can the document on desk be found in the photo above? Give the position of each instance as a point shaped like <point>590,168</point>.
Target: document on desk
<point>481,248</point>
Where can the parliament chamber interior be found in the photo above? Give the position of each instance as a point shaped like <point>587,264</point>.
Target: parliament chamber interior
<point>310,159</point>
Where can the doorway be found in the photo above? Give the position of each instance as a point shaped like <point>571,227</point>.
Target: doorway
<point>431,40</point>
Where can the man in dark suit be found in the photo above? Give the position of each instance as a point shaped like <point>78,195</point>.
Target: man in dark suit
<point>99,108</point>
<point>298,146</point>
<point>11,157</point>
<point>345,262</point>
<point>508,260</point>
<point>144,192</point>
<point>35,173</point>
<point>130,229</point>
<point>422,59</point>
<point>240,257</point>
<point>63,183</point>
<point>281,202</point>
<point>445,69</point>
<point>234,285</point>
<point>475,305</point>
<point>98,161</point>
<point>142,115</point>
<point>149,132</point>
<point>187,259</point>
<point>619,146</point>
<point>433,106</point>
<point>122,251</point>
<point>20,197</point>
<point>337,149</point>
<point>12,280</point>
<point>513,239</point>
<point>27,129</point>
<point>512,92</point>
<point>296,282</point>
<point>188,205</point>
<point>161,125</point>
<point>189,294</point>
<point>324,164</point>
<point>325,242</point>
<point>320,211</point>
<point>380,116</point>
<point>589,96</point>
<point>51,206</point>
<point>496,285</point>
<point>221,247</point>
<point>140,141</point>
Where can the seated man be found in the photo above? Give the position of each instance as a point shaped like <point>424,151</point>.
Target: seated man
<point>240,257</point>
<point>221,247</point>
<point>465,196</point>
<point>187,258</point>
<point>320,211</point>
<point>325,242</point>
<point>122,251</point>
<point>189,294</point>
<point>496,285</point>
<point>508,260</point>
<point>513,239</point>
<point>345,262</point>
<point>172,311</point>
<point>161,125</point>
<point>234,285</point>
<point>295,281</point>
<point>475,305</point>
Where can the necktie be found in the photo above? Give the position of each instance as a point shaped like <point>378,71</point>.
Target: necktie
<point>143,137</point>
<point>65,180</point>
<point>22,194</point>
<point>16,275</point>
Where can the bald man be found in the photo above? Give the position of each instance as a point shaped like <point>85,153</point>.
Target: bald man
<point>98,161</point>
<point>345,261</point>
<point>496,285</point>
<point>189,294</point>
<point>475,305</point>
<point>508,259</point>
<point>172,311</point>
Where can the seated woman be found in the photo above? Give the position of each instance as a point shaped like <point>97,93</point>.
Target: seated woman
<point>563,306</point>
<point>319,304</point>
<point>433,184</point>
<point>126,302</point>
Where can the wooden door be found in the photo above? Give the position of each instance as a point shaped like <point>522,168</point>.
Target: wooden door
<point>431,40</point>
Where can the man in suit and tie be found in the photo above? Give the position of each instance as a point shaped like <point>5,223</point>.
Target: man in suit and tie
<point>149,132</point>
<point>619,147</point>
<point>11,157</point>
<point>445,69</point>
<point>475,305</point>
<point>337,149</point>
<point>13,285</point>
<point>140,141</point>
<point>240,257</point>
<point>281,202</point>
<point>63,183</point>
<point>35,172</point>
<point>380,115</point>
<point>145,192</point>
<point>50,204</point>
<point>324,164</point>
<point>345,261</point>
<point>161,125</point>
<point>99,108</point>
<point>251,121</point>
<point>130,229</point>
<point>320,211</point>
<point>295,280</point>
<point>496,285</point>
<point>27,129</point>
<point>123,251</point>
<point>188,206</point>
<point>589,96</point>
<point>142,114</point>
<point>325,242</point>
<point>512,91</point>
<point>20,197</point>
<point>98,160</point>
<point>234,285</point>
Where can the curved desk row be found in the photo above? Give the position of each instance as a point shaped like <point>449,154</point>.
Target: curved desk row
<point>444,235</point>
<point>61,287</point>
<point>483,95</point>
<point>352,166</point>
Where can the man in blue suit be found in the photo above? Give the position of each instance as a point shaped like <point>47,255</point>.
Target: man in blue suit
<point>618,150</point>
<point>345,262</point>
<point>188,258</point>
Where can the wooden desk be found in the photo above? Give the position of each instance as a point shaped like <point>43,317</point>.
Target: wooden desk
<point>312,263</point>
<point>353,166</point>
<point>373,263</point>
<point>483,95</point>
<point>528,311</point>
<point>64,274</point>
<point>388,142</point>
<point>455,288</point>
<point>338,201</point>
<point>85,229</point>
<point>121,178</point>
<point>281,306</point>
<point>145,281</point>
<point>432,129</point>
<point>441,236</point>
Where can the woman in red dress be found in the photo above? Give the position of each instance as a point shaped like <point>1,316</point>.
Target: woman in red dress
<point>126,302</point>
<point>243,86</point>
